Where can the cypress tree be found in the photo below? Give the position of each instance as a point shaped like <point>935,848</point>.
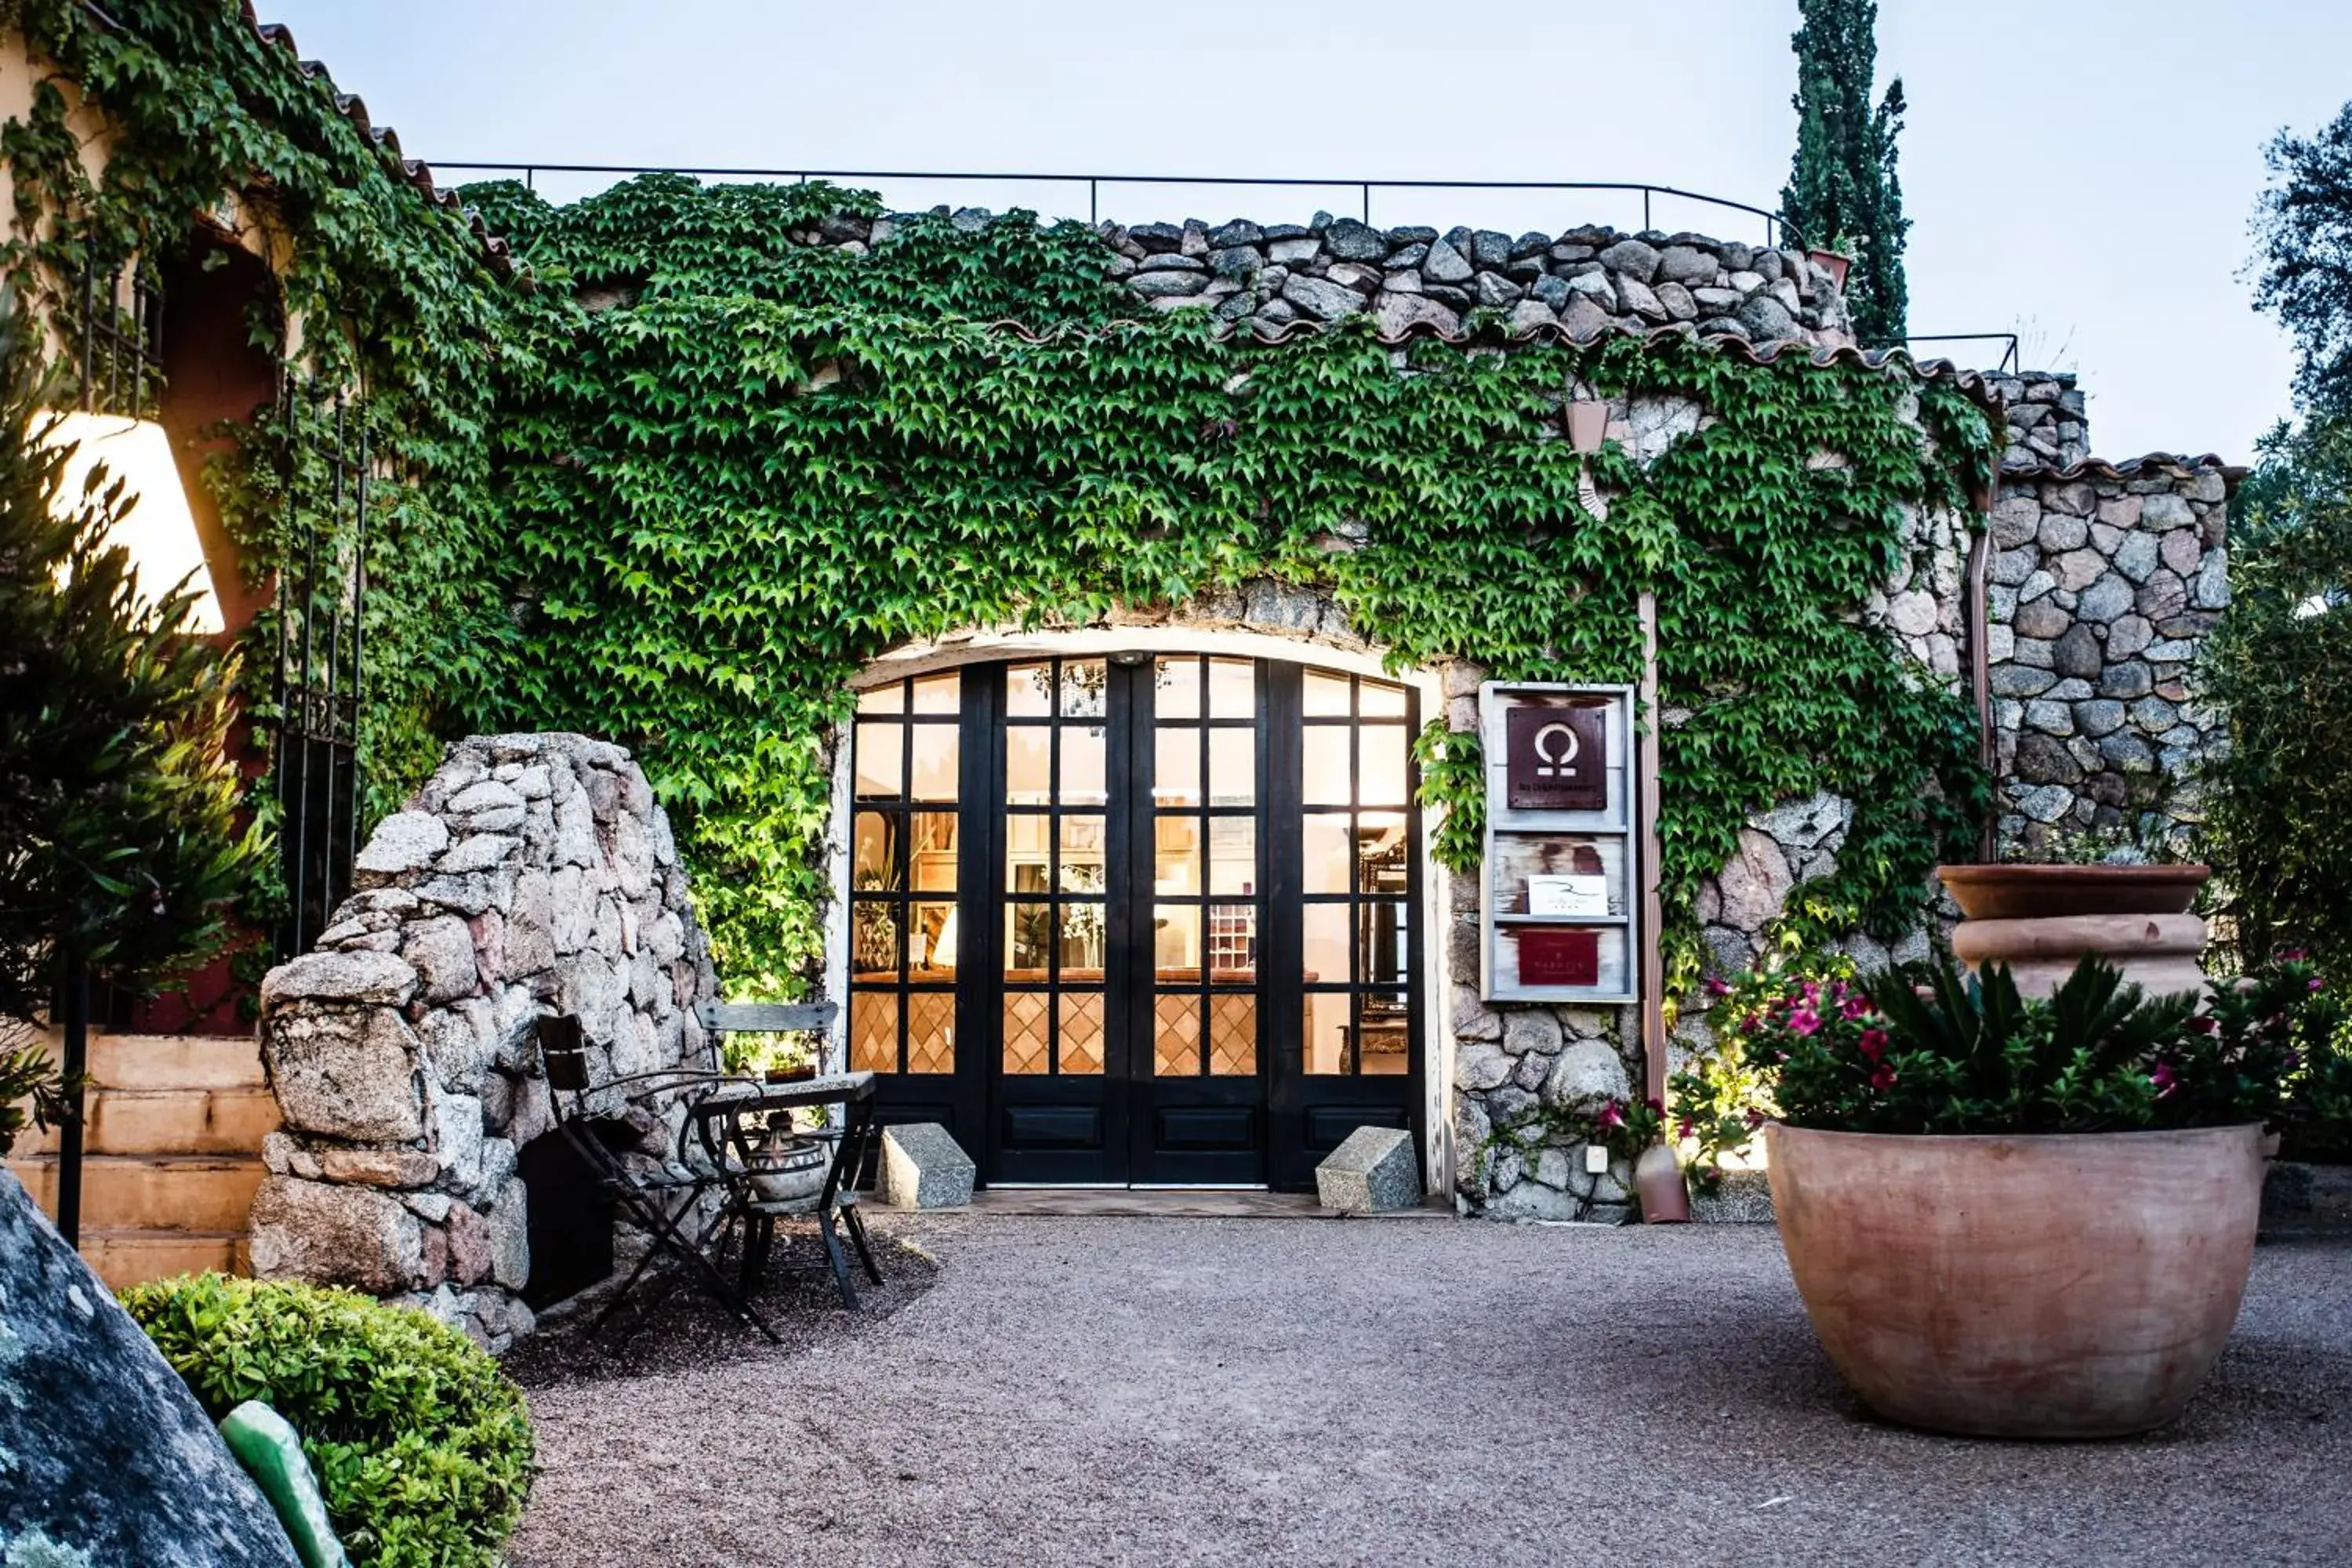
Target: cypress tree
<point>1842,189</point>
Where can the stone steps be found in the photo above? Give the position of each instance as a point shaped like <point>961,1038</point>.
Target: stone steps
<point>171,1154</point>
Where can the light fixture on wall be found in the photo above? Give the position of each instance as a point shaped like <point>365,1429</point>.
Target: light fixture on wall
<point>1587,417</point>
<point>159,531</point>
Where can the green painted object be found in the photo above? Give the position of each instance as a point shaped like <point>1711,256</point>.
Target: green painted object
<point>271,1451</point>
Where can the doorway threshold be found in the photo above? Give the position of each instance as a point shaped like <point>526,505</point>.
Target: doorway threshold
<point>1167,1203</point>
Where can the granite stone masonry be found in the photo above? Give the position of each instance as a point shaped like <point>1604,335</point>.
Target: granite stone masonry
<point>1584,281</point>
<point>2102,583</point>
<point>532,875</point>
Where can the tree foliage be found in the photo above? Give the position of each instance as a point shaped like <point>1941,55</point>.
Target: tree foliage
<point>2303,265</point>
<point>1842,187</point>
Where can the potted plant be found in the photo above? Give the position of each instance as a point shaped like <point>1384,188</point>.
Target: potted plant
<point>1836,258</point>
<point>2018,1216</point>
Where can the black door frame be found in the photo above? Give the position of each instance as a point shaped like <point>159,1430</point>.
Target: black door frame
<point>1295,1118</point>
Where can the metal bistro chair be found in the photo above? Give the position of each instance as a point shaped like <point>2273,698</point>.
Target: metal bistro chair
<point>834,1205</point>
<point>660,1203</point>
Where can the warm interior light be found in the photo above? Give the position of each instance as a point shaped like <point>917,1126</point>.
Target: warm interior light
<point>159,532</point>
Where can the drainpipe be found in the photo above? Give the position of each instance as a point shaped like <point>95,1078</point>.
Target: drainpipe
<point>1980,662</point>
<point>1653,961</point>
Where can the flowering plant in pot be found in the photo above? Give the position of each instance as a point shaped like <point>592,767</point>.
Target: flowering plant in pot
<point>2015,1215</point>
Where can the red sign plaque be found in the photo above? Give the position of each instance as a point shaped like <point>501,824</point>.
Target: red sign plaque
<point>1560,956</point>
<point>1557,759</point>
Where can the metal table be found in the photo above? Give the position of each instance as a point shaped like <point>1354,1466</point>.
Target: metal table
<point>722,1119</point>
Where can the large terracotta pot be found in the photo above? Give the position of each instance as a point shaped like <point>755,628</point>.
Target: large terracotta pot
<point>2021,1287</point>
<point>2041,919</point>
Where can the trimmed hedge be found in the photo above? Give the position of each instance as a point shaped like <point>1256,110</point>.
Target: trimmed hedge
<point>422,1446</point>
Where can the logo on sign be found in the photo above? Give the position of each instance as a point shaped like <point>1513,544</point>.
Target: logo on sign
<point>1557,759</point>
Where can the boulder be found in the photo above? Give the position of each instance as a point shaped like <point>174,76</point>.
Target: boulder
<point>1372,1171</point>
<point>923,1167</point>
<point>107,1458</point>
<point>1588,1071</point>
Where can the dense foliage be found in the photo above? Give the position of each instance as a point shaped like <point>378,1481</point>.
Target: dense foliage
<point>120,850</point>
<point>1843,188</point>
<point>1935,1049</point>
<point>2303,265</point>
<point>755,465</point>
<point>422,1446</point>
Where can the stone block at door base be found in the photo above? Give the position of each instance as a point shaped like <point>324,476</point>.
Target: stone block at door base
<point>1372,1172</point>
<point>923,1167</point>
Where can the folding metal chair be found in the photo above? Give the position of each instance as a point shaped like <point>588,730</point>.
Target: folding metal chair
<point>662,1201</point>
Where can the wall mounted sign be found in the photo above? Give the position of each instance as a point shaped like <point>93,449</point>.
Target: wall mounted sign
<point>1559,910</point>
<point>1556,758</point>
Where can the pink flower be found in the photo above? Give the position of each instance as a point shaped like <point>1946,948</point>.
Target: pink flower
<point>2294,955</point>
<point>1852,1008</point>
<point>1884,1078</point>
<point>1686,1128</point>
<point>2163,1078</point>
<point>2203,1025</point>
<point>1804,1021</point>
<point>1611,1116</point>
<point>1750,1024</point>
<point>2314,983</point>
<point>1813,991</point>
<point>1717,986</point>
<point>1874,1043</point>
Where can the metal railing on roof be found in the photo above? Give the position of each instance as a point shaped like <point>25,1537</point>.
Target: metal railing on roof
<point>1776,227</point>
<point>2007,362</point>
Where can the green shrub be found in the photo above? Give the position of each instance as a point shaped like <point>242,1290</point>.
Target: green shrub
<point>422,1446</point>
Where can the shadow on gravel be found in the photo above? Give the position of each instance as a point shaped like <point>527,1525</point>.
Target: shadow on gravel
<point>685,1329</point>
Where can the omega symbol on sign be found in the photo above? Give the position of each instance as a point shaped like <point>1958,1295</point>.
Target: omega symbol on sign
<point>1556,757</point>
<point>1556,747</point>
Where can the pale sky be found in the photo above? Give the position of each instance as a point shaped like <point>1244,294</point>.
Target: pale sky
<point>2081,173</point>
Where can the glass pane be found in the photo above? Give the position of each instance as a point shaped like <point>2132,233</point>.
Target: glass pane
<point>1176,856</point>
<point>1082,854</point>
<point>1233,945</point>
<point>932,852</point>
<point>1325,696</point>
<point>1082,687</point>
<point>1383,954</point>
<point>873,852</point>
<point>1380,845</point>
<point>1082,765</point>
<point>1326,946</point>
<point>1232,855</point>
<point>1025,1049</point>
<point>1328,1025</point>
<point>1325,778</point>
<point>1176,684</point>
<point>890,699</point>
<point>881,769</point>
<point>872,1031</point>
<point>1082,928</point>
<point>1232,767</point>
<point>1176,766</point>
<point>1378,699</point>
<point>1029,690</point>
<point>1380,781</point>
<point>1028,941</point>
<point>930,1031</point>
<point>1329,850</point>
<point>1028,764</point>
<point>1028,852</point>
<point>931,942</point>
<point>936,750</point>
<point>939,693</point>
<point>1176,1035</point>
<point>1382,1021</point>
<point>1232,688</point>
<point>873,940</point>
<point>1082,1031</point>
<point>1233,1035</point>
<point>1176,943</point>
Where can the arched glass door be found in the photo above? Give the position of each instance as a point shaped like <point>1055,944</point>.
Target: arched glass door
<point>1137,919</point>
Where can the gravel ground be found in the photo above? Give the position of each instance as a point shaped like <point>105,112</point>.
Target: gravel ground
<point>1256,1391</point>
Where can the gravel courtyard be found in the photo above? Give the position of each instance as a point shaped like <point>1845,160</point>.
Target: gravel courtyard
<point>1089,1391</point>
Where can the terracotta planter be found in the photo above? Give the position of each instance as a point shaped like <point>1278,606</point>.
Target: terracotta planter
<point>1832,263</point>
<point>2021,1287</point>
<point>1659,1184</point>
<point>2041,920</point>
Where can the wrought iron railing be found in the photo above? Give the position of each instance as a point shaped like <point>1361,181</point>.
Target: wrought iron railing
<point>119,349</point>
<point>321,599</point>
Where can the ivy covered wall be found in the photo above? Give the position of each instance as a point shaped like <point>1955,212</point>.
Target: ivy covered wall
<point>761,454</point>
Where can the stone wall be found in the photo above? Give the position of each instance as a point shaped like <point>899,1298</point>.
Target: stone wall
<point>2102,583</point>
<point>531,875</point>
<point>1585,280</point>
